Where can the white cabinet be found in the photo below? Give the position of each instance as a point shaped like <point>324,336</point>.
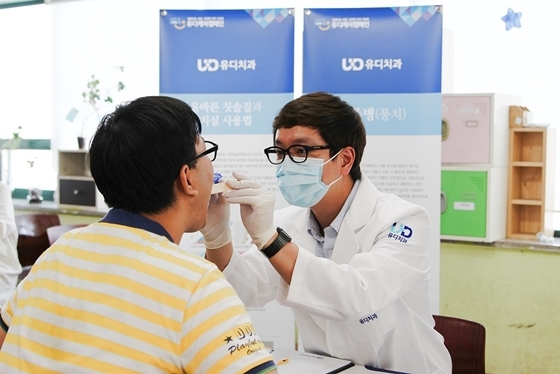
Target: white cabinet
<point>475,128</point>
<point>475,159</point>
<point>76,187</point>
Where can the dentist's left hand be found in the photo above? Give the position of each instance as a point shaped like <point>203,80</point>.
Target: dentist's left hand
<point>217,232</point>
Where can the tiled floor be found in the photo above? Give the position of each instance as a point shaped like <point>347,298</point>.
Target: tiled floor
<point>515,293</point>
<point>553,246</point>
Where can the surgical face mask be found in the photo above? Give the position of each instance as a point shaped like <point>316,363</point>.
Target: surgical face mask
<point>300,183</point>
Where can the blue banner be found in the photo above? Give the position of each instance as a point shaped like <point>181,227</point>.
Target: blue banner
<point>226,51</point>
<point>386,62</point>
<point>236,70</point>
<point>235,67</point>
<point>375,50</point>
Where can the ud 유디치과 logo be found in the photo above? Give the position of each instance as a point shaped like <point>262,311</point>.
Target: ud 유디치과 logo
<point>342,23</point>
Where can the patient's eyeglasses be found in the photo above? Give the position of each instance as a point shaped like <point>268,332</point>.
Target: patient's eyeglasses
<point>210,152</point>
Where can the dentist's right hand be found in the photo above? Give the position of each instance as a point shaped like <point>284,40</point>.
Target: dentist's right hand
<point>217,232</point>
<point>256,206</point>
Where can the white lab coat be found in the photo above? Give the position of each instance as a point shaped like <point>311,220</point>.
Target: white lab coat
<point>370,302</point>
<point>10,267</point>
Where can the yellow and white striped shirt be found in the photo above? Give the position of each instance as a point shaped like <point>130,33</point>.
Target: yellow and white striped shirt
<point>115,298</point>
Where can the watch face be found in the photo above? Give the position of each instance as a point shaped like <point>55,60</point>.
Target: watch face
<point>283,233</point>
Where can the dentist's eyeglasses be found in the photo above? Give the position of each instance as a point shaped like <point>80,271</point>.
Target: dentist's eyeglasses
<point>297,153</point>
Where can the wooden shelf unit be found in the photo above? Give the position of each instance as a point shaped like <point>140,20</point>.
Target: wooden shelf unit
<point>530,192</point>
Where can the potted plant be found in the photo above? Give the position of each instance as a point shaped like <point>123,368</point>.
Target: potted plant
<point>94,98</point>
<point>15,141</point>
<point>34,193</point>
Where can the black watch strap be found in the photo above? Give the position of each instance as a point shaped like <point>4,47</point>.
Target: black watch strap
<point>281,240</point>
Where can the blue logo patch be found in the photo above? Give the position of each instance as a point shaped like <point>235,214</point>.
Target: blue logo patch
<point>401,232</point>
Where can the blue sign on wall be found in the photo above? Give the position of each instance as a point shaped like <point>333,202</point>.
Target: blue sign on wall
<point>226,51</point>
<point>377,50</point>
<point>234,67</point>
<point>386,62</point>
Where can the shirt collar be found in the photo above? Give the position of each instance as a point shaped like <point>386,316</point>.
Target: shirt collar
<point>126,218</point>
<point>313,225</point>
<point>340,217</point>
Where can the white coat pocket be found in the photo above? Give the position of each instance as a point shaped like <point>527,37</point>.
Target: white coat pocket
<point>372,327</point>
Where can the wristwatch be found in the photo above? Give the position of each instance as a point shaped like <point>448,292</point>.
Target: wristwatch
<point>281,240</point>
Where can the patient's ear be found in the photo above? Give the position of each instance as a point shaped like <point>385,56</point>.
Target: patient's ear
<point>187,181</point>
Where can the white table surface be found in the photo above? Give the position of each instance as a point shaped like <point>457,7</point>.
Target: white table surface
<point>299,363</point>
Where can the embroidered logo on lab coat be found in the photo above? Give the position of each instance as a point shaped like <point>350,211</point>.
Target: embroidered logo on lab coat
<point>369,318</point>
<point>401,232</point>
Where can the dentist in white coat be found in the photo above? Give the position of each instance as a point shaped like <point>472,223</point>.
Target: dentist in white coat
<point>351,262</point>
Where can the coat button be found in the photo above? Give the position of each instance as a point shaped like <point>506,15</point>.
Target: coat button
<point>338,352</point>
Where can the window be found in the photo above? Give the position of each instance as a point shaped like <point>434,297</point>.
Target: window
<point>25,94</point>
<point>16,3</point>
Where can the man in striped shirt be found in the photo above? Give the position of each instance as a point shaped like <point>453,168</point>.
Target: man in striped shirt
<point>118,296</point>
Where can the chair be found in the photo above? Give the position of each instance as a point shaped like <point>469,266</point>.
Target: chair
<point>32,235</point>
<point>466,342</point>
<point>54,232</point>
<point>24,272</point>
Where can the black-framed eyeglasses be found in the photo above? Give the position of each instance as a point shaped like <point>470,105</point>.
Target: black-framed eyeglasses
<point>211,152</point>
<point>297,153</point>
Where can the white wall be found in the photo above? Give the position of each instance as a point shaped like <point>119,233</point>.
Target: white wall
<point>522,61</point>
<point>25,60</point>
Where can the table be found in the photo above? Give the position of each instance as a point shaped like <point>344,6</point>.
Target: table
<point>298,362</point>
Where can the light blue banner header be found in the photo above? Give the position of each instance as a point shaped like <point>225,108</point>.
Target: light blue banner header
<point>236,113</point>
<point>398,114</point>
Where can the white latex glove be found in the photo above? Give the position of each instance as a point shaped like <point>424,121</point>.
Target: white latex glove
<point>216,232</point>
<point>256,206</point>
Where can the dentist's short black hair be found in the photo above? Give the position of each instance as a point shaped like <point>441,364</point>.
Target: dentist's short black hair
<point>338,123</point>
